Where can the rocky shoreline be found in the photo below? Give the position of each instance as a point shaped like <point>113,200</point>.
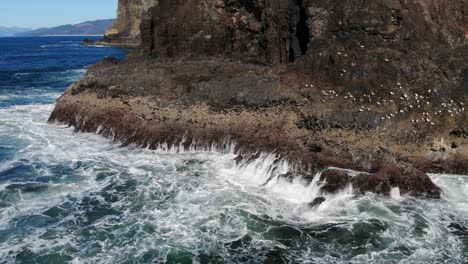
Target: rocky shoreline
<point>380,91</point>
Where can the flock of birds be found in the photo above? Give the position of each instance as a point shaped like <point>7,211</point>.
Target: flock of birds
<point>418,106</point>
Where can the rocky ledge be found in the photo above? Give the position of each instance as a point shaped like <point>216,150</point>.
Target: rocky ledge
<point>378,87</point>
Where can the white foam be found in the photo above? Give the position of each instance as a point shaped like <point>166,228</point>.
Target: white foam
<point>395,193</point>
<point>200,199</point>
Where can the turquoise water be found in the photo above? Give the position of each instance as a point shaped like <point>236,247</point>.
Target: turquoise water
<point>70,197</point>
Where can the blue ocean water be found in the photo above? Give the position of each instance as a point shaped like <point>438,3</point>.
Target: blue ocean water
<point>69,197</point>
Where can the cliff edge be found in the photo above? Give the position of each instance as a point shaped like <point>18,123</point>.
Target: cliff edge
<point>125,31</point>
<point>376,86</point>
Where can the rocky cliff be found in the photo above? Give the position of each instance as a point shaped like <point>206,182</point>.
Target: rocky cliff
<point>126,29</point>
<point>376,86</point>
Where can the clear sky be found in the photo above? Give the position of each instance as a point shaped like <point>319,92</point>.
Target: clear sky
<point>50,13</point>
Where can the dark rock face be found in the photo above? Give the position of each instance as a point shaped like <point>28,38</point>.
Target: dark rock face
<point>367,44</point>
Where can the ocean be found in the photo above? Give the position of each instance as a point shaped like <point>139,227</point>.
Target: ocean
<point>69,197</point>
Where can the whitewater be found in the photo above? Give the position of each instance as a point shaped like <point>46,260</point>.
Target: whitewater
<point>68,197</point>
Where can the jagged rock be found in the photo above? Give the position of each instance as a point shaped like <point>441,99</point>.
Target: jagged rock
<point>316,202</point>
<point>87,41</point>
<point>126,29</point>
<point>408,179</point>
<point>335,180</point>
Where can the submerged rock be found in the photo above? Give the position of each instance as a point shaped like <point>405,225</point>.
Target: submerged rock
<point>316,202</point>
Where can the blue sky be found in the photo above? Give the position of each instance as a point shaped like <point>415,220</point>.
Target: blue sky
<point>49,13</point>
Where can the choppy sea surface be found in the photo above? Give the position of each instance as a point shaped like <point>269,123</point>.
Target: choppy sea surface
<point>69,197</point>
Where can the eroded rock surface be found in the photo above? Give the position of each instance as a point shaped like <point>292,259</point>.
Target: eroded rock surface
<point>126,29</point>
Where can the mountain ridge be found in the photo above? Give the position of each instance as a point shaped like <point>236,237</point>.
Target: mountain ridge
<point>94,27</point>
<point>11,31</point>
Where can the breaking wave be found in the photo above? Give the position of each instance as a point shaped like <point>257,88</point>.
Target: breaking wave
<point>75,196</point>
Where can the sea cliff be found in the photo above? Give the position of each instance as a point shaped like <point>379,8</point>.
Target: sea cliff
<point>379,87</point>
<point>126,29</point>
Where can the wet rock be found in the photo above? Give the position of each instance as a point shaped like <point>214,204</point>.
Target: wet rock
<point>87,41</point>
<point>316,202</point>
<point>289,177</point>
<point>404,176</point>
<point>335,180</point>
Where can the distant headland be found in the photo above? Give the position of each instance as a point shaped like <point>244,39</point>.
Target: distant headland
<point>88,28</point>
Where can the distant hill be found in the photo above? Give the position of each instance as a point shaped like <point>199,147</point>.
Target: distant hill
<point>11,31</point>
<point>97,27</point>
